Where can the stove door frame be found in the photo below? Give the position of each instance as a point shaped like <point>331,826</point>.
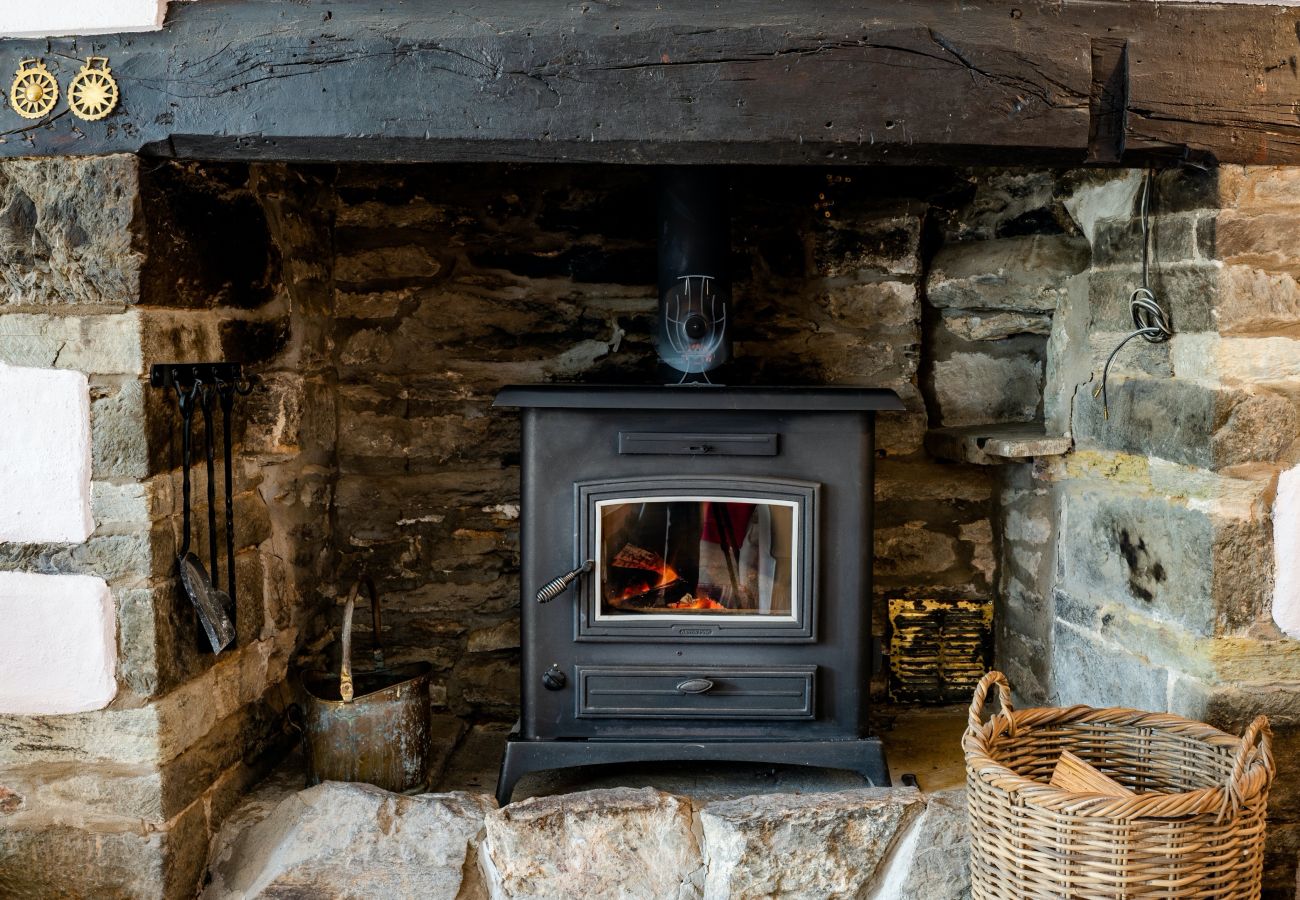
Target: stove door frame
<point>701,628</point>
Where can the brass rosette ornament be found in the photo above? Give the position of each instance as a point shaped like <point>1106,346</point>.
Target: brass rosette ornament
<point>34,91</point>
<point>92,94</point>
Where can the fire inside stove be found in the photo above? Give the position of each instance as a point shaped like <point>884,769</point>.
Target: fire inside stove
<point>696,556</point>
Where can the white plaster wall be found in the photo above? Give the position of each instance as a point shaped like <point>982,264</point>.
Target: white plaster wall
<point>44,456</point>
<point>44,18</point>
<point>1286,553</point>
<point>58,644</point>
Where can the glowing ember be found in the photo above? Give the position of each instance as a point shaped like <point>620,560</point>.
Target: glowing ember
<point>689,602</point>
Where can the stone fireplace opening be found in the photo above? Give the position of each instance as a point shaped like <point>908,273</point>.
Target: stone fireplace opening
<point>1120,560</point>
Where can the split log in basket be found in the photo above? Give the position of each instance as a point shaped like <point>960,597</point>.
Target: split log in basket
<point>1074,774</point>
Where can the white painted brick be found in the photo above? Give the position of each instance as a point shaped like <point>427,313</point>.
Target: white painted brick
<point>1286,553</point>
<point>55,17</point>
<point>44,456</point>
<point>58,644</point>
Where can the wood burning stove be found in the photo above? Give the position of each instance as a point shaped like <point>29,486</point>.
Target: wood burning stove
<point>696,576</point>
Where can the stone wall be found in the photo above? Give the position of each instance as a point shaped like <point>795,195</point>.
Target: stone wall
<point>1142,564</point>
<point>107,267</point>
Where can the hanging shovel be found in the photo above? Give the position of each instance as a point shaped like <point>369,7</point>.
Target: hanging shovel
<point>210,603</point>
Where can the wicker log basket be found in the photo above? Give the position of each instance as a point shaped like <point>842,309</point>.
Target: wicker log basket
<point>1192,828</point>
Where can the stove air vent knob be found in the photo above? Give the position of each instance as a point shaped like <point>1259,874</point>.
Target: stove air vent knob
<point>553,679</point>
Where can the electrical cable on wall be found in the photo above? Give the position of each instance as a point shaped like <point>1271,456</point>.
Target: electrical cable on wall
<point>1149,319</point>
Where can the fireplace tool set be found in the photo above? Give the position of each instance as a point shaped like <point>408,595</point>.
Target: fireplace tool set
<point>205,386</point>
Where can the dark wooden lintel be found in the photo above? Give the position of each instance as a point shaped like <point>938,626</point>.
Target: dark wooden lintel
<point>747,81</point>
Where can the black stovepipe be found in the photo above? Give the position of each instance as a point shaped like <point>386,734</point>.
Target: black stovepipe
<point>693,336</point>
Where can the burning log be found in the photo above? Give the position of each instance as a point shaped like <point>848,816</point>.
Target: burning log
<point>631,557</point>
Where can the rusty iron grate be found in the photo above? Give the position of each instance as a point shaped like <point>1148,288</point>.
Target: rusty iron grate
<point>938,649</point>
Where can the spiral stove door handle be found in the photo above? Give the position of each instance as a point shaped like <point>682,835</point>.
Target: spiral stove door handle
<point>557,586</point>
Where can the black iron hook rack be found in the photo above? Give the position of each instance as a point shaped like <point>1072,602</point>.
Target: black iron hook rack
<point>186,375</point>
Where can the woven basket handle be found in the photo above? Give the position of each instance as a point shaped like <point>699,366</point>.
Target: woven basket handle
<point>981,696</point>
<point>1257,734</point>
<point>1257,737</point>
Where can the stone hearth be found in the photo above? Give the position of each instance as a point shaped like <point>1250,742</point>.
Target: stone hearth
<point>712,830</point>
<point>1128,560</point>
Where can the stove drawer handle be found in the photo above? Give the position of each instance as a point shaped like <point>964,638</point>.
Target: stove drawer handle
<point>557,586</point>
<point>695,686</point>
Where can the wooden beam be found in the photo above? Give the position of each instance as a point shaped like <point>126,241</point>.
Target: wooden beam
<point>747,81</point>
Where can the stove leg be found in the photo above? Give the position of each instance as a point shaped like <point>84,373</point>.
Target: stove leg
<point>513,767</point>
<point>873,769</point>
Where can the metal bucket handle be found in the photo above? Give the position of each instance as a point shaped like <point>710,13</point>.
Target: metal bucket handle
<point>345,670</point>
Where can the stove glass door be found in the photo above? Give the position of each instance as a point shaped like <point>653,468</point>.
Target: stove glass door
<point>678,558</point>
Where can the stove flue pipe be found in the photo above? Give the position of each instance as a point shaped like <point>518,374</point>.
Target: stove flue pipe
<point>694,329</point>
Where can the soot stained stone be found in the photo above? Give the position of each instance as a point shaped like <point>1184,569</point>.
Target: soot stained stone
<point>208,239</point>
<point>251,342</point>
<point>1142,568</point>
<point>1206,571</point>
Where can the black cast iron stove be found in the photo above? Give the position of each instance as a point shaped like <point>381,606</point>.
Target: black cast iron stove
<point>696,559</point>
<point>718,544</point>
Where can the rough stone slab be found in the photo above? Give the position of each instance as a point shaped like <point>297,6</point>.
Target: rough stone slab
<point>119,432</point>
<point>1186,422</point>
<point>888,241</point>
<point>76,792</point>
<point>796,845</point>
<point>1005,200</point>
<point>992,445</point>
<point>1162,644</point>
<point>912,549</point>
<point>1090,670</point>
<point>1024,274</point>
<point>1268,361</point>
<point>1180,563</point>
<point>44,456</point>
<point>67,231</point>
<point>120,736</point>
<point>1118,241</point>
<point>99,345</point>
<point>975,388</point>
<point>357,841</point>
<point>1102,194</point>
<point>937,858</point>
<point>915,480</point>
<point>1263,240</point>
<point>877,304</point>
<point>1187,291</point>
<point>113,864</point>
<point>1253,301</point>
<point>120,559</point>
<point>620,842</point>
<point>1259,187</point>
<point>996,326</point>
<point>501,636</point>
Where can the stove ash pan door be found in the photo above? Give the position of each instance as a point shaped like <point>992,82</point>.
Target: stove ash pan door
<point>691,558</point>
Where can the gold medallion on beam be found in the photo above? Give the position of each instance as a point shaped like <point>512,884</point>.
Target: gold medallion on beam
<point>34,91</point>
<point>92,93</point>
